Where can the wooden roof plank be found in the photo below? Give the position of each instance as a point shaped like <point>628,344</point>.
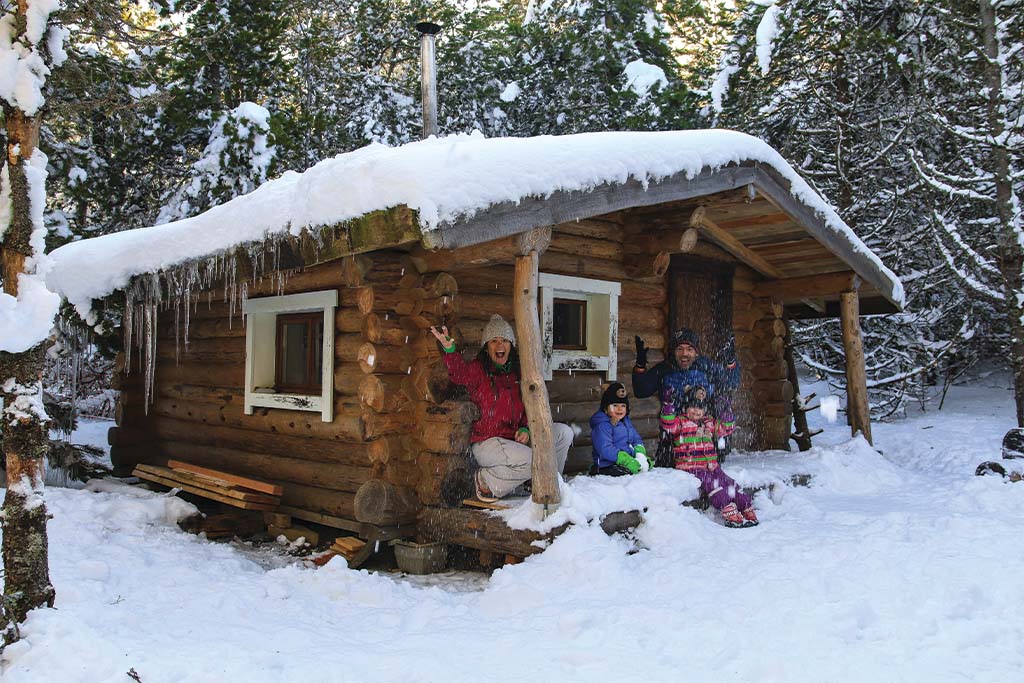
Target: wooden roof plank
<point>737,249</point>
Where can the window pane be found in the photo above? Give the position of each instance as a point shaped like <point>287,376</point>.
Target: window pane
<point>295,354</point>
<point>569,324</point>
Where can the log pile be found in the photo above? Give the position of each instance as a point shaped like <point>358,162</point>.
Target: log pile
<point>211,485</point>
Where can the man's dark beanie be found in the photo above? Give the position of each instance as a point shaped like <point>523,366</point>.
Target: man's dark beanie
<point>685,336</point>
<point>615,393</point>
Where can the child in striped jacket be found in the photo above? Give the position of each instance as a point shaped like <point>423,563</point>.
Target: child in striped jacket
<point>694,435</point>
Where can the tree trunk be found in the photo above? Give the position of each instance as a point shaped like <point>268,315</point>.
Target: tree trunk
<point>25,440</point>
<point>1011,257</point>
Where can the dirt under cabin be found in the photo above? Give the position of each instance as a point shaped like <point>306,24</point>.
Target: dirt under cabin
<point>282,337</point>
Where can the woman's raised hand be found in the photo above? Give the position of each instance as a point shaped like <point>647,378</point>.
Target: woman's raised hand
<point>443,337</point>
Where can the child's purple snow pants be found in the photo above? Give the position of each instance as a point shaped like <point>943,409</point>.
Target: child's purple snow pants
<point>720,488</point>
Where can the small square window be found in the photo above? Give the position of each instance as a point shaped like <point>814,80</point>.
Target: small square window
<point>569,319</point>
<point>299,365</point>
<point>289,352</point>
<point>579,324</point>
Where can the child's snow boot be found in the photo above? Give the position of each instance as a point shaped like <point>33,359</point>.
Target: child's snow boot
<point>749,517</point>
<point>732,516</point>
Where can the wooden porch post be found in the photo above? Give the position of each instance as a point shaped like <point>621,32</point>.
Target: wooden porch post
<point>856,377</point>
<point>535,391</point>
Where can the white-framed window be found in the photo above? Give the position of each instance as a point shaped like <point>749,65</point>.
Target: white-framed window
<point>289,352</point>
<point>579,322</point>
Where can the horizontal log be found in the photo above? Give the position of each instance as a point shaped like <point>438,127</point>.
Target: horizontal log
<point>576,388</point>
<point>383,393</point>
<point>581,412</point>
<point>441,470</point>
<point>442,437</point>
<point>224,350</point>
<point>320,501</point>
<point>307,448</point>
<point>429,382</point>
<point>654,337</point>
<point>582,266</point>
<point>440,284</point>
<point>642,317</point>
<point>346,347</point>
<point>378,502</point>
<point>475,529</point>
<point>595,228</point>
<point>348,320</point>
<point>376,425</point>
<point>347,377</point>
<point>202,329</point>
<point>381,359</point>
<point>772,391</point>
<point>231,375</point>
<point>458,412</point>
<point>502,250</point>
<point>388,449</point>
<point>647,266</point>
<point>384,329</point>
<point>483,306</point>
<point>272,468</point>
<point>346,427</point>
<point>398,473</point>
<point>489,280</point>
<point>586,246</point>
<point>643,294</point>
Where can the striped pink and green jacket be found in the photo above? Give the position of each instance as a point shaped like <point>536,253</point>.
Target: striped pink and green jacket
<point>693,443</point>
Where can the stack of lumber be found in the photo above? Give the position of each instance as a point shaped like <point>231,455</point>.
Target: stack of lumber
<point>223,487</point>
<point>355,551</point>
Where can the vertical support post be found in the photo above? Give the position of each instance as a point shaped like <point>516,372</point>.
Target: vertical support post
<point>535,391</point>
<point>801,432</point>
<point>856,376</point>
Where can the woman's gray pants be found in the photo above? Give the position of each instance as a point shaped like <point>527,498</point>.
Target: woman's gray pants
<point>505,464</point>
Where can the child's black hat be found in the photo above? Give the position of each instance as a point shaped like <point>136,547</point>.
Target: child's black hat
<point>615,393</point>
<point>692,399</point>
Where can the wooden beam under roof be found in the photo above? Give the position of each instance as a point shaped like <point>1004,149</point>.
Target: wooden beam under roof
<point>737,249</point>
<point>810,287</point>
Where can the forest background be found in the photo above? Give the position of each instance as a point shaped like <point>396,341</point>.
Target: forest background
<point>906,115</point>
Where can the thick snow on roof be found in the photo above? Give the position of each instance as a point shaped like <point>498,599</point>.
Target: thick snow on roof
<point>442,179</point>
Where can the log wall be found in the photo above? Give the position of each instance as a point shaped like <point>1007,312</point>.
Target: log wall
<point>401,429</point>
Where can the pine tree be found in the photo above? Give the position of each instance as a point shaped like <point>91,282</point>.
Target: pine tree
<point>29,50</point>
<point>829,84</point>
<point>224,53</point>
<point>567,66</point>
<point>969,151</point>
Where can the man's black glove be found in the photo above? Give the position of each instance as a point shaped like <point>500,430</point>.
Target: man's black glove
<point>641,352</point>
<point>728,352</point>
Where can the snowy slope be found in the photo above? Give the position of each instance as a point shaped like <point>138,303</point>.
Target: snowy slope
<point>902,567</point>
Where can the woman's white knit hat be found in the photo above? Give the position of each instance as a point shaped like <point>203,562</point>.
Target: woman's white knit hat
<point>497,327</point>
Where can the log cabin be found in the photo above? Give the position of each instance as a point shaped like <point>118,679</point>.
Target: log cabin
<point>284,335</point>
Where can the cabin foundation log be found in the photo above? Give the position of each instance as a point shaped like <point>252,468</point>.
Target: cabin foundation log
<point>378,502</point>
<point>480,530</point>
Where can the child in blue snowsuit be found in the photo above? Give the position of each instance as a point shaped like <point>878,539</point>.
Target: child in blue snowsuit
<point>617,447</point>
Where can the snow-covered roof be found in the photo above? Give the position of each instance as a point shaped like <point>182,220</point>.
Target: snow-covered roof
<point>446,181</point>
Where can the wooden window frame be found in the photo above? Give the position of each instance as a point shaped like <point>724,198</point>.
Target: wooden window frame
<point>582,333</point>
<point>602,324</point>
<point>313,384</point>
<point>262,351</point>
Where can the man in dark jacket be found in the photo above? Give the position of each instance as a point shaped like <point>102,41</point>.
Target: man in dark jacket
<point>684,366</point>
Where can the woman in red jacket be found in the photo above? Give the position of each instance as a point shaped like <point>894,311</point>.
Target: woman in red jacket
<point>501,437</point>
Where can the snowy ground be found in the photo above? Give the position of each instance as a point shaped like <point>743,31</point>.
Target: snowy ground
<point>902,567</point>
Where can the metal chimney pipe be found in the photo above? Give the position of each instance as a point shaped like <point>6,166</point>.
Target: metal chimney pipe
<point>428,76</point>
